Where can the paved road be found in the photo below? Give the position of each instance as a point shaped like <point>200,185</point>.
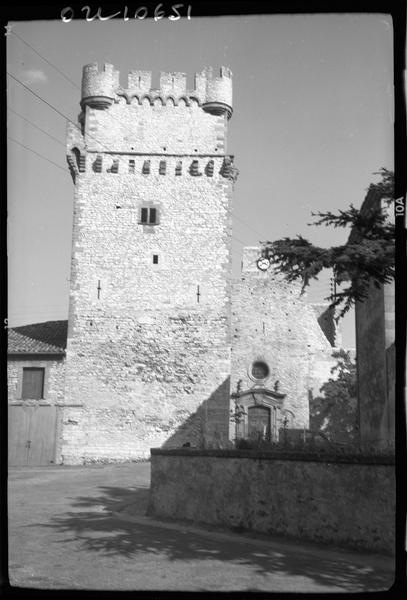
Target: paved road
<point>84,528</point>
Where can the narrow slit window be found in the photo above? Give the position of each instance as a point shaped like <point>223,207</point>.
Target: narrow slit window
<point>155,259</point>
<point>153,215</point>
<point>144,215</point>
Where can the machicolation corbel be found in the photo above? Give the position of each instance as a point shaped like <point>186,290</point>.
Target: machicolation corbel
<point>114,168</point>
<point>97,164</point>
<point>209,168</point>
<point>194,169</point>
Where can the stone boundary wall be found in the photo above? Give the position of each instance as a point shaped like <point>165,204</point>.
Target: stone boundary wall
<point>346,501</point>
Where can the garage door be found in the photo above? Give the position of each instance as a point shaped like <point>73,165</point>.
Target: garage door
<point>31,435</point>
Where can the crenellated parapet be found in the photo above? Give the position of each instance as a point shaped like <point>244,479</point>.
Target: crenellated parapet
<point>101,87</point>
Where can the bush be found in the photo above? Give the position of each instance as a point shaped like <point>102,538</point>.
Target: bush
<point>315,443</point>
<point>335,413</point>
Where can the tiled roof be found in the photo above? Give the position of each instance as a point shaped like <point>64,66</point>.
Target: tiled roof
<point>38,338</point>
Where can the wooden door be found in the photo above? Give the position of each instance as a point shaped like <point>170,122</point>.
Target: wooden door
<point>18,434</point>
<point>31,437</point>
<point>259,422</point>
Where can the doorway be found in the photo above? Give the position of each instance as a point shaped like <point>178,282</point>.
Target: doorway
<point>259,422</point>
<point>31,435</point>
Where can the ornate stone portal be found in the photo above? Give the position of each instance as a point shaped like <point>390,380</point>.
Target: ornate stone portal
<point>259,411</point>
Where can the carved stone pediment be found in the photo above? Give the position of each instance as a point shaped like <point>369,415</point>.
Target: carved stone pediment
<point>259,395</point>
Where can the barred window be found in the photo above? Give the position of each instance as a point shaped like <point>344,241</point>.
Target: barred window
<point>149,215</point>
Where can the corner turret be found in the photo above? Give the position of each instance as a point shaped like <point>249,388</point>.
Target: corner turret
<point>218,97</point>
<point>99,86</point>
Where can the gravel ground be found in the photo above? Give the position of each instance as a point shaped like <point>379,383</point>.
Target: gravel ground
<point>85,528</point>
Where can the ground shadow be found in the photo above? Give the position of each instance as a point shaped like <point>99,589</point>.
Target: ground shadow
<point>93,522</point>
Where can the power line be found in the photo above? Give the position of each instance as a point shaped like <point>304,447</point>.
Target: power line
<point>69,120</point>
<point>45,59</point>
<point>246,225</point>
<point>238,240</point>
<point>110,115</point>
<point>59,167</point>
<point>53,66</point>
<point>78,128</point>
<point>58,70</point>
<point>36,126</point>
<point>61,114</point>
<point>37,153</point>
<point>42,99</point>
<point>49,310</point>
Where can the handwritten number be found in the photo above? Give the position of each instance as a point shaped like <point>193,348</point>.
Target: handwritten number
<point>64,18</point>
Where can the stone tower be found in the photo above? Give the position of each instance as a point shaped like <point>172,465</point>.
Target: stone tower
<point>148,353</point>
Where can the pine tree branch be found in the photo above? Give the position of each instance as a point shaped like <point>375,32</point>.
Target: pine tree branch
<point>361,264</point>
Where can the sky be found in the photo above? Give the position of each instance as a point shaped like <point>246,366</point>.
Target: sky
<point>312,122</point>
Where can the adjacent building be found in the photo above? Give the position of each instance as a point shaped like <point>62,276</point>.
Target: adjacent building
<point>375,351</point>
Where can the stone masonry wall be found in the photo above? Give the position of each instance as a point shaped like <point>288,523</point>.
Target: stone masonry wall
<point>375,334</point>
<point>325,501</point>
<point>148,354</point>
<point>155,128</point>
<point>271,322</point>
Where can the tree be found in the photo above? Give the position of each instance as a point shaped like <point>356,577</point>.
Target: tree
<point>367,257</point>
<point>334,412</point>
